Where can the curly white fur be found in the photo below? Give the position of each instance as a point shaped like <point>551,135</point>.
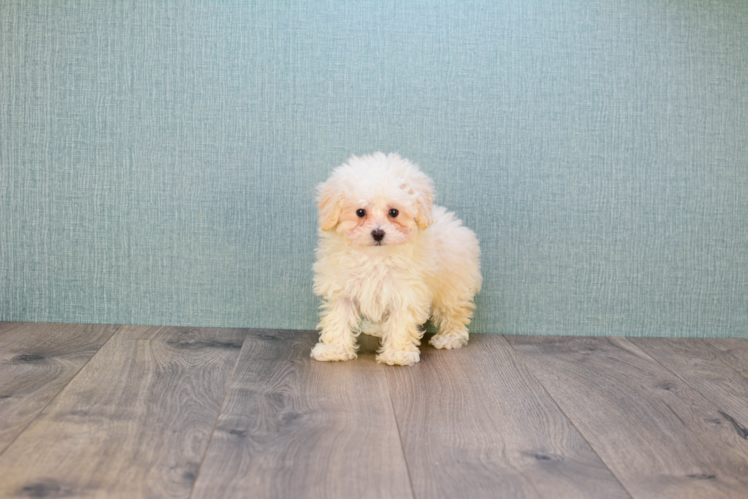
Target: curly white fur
<point>387,256</point>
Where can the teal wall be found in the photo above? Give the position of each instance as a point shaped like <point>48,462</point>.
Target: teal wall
<point>158,159</point>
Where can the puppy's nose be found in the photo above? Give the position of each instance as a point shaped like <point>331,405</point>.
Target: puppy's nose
<point>377,234</point>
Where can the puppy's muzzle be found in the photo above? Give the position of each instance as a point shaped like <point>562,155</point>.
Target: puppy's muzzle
<point>378,235</point>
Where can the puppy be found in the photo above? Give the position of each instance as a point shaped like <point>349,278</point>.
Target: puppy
<point>387,256</point>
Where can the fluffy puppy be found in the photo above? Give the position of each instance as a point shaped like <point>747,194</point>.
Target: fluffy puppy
<point>388,260</point>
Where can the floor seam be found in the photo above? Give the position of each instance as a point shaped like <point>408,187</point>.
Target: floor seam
<point>399,433</point>
<point>116,330</point>
<point>581,434</point>
<point>220,412</point>
<point>674,374</point>
<point>711,343</point>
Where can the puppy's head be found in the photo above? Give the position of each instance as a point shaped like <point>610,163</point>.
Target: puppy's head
<point>376,200</point>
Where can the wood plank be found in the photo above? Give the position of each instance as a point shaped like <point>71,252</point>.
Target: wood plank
<point>660,437</point>
<point>703,367</point>
<point>37,360</point>
<point>134,423</point>
<point>299,428</point>
<point>476,424</point>
<point>734,352</point>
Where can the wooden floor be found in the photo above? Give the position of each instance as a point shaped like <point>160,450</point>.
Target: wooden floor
<point>126,411</point>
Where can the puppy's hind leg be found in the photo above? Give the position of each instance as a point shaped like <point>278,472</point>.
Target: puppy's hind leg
<point>453,320</point>
<point>370,328</point>
<point>337,341</point>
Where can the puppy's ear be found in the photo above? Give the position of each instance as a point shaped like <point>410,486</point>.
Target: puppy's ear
<point>330,205</point>
<point>422,188</point>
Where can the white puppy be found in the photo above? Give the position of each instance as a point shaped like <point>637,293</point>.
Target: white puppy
<point>389,257</point>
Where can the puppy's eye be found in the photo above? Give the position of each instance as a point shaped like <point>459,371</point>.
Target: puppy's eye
<point>361,212</point>
<point>393,212</point>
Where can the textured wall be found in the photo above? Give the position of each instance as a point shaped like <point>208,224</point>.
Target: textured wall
<point>158,159</point>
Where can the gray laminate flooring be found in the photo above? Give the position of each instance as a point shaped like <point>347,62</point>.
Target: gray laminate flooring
<point>134,411</point>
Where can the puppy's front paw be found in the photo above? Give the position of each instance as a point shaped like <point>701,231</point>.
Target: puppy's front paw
<point>395,357</point>
<point>448,341</point>
<point>324,352</point>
